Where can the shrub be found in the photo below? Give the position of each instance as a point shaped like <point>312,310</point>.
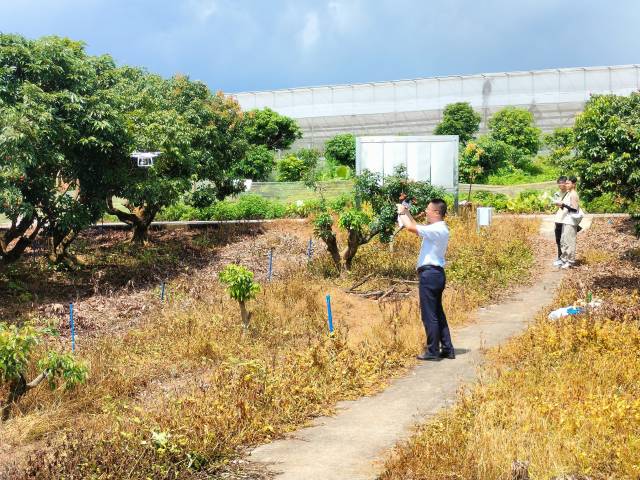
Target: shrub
<point>257,164</point>
<point>561,143</point>
<point>490,155</point>
<point>459,119</point>
<point>309,157</point>
<point>488,199</point>
<point>341,149</point>
<point>515,127</point>
<point>255,207</point>
<point>182,212</point>
<point>531,201</point>
<point>291,169</point>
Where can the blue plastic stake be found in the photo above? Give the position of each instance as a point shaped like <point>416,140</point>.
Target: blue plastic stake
<point>310,249</point>
<point>73,330</point>
<point>162,292</point>
<point>329,315</point>
<point>270,264</point>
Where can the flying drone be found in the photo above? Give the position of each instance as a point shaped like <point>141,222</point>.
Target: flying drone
<point>145,159</point>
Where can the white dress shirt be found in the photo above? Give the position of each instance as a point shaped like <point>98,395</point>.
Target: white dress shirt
<point>435,238</point>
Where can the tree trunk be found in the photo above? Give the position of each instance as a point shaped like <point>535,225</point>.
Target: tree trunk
<point>353,243</point>
<point>244,314</point>
<point>16,239</point>
<point>139,218</point>
<point>140,232</point>
<point>17,388</point>
<point>58,247</point>
<point>332,246</point>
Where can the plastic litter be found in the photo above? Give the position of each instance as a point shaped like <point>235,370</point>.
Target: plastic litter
<point>565,312</point>
<point>581,307</point>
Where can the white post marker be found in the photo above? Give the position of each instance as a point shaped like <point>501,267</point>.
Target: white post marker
<point>483,217</point>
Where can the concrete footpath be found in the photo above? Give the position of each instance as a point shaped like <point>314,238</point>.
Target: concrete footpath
<point>352,445</point>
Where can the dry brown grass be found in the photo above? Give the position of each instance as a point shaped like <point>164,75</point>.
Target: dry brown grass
<point>563,396</point>
<point>186,389</point>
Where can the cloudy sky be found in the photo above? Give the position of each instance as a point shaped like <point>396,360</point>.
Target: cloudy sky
<point>246,45</point>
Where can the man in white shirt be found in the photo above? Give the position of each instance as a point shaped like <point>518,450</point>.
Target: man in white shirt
<point>435,239</point>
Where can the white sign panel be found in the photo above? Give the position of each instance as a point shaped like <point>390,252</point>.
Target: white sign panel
<point>432,158</point>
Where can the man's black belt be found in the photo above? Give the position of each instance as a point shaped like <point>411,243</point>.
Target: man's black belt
<point>428,267</point>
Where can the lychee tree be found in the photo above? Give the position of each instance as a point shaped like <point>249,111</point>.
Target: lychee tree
<point>59,138</point>
<point>19,357</point>
<point>240,287</point>
<point>374,213</point>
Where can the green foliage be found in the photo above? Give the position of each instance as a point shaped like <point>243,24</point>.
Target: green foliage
<point>341,150</point>
<point>459,119</point>
<point>354,220</point>
<point>17,351</point>
<point>199,134</point>
<point>608,203</point>
<point>489,155</point>
<point>247,207</point>
<point>291,169</point>
<point>541,169</point>
<point>250,206</point>
<point>531,201</point>
<point>607,144</point>
<point>515,127</point>
<point>61,135</point>
<point>269,128</point>
<point>322,226</point>
<point>470,167</point>
<point>309,156</point>
<point>488,199</point>
<point>375,215</point>
<point>16,348</point>
<point>257,164</point>
<point>561,143</point>
<point>65,367</point>
<point>527,201</point>
<point>239,282</point>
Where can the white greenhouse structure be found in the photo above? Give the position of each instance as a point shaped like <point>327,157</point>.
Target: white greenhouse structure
<point>414,107</point>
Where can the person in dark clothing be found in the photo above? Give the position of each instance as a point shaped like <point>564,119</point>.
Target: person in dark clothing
<point>435,239</point>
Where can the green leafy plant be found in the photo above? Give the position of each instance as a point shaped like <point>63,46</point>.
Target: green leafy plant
<point>374,215</point>
<point>607,147</point>
<point>291,169</point>
<point>17,349</point>
<point>515,127</point>
<point>61,135</point>
<point>459,119</point>
<point>341,150</point>
<point>269,128</point>
<point>257,164</point>
<point>240,287</point>
<point>561,143</point>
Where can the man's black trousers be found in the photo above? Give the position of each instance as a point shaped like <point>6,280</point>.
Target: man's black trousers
<point>558,237</point>
<point>432,282</point>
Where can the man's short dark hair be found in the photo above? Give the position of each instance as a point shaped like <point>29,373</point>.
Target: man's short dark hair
<point>561,179</point>
<point>440,205</point>
<point>573,179</point>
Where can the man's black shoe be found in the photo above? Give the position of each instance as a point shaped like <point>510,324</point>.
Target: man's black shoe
<point>449,355</point>
<point>427,357</point>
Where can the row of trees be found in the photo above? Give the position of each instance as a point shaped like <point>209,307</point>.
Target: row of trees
<point>510,143</point>
<point>69,122</point>
<point>602,148</point>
